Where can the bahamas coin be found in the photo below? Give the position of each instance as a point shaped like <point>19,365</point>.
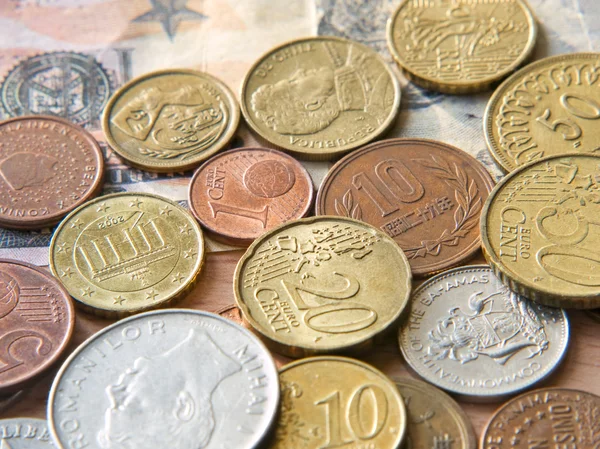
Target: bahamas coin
<point>426,195</point>
<point>469,334</point>
<point>538,232</point>
<point>125,253</point>
<point>322,284</point>
<point>319,97</point>
<point>322,409</point>
<point>25,433</point>
<point>170,120</point>
<point>460,47</point>
<point>547,108</point>
<point>174,378</point>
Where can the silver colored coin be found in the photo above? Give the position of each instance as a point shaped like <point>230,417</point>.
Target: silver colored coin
<point>467,333</point>
<point>7,401</point>
<point>24,433</point>
<point>173,378</point>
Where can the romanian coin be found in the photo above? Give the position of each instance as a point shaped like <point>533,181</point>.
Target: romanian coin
<point>470,335</point>
<point>459,47</point>
<point>173,378</point>
<point>538,232</point>
<point>25,433</point>
<point>239,194</point>
<point>170,120</point>
<point>319,97</point>
<point>329,402</point>
<point>322,284</point>
<point>37,319</point>
<point>546,418</point>
<point>434,420</point>
<point>426,195</point>
<point>125,253</point>
<point>48,167</point>
<point>547,108</point>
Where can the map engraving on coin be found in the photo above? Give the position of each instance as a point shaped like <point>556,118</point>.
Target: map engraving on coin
<point>24,433</point>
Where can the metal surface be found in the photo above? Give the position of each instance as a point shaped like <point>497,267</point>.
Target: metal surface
<point>24,433</point>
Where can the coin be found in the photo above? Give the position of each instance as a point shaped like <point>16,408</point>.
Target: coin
<point>320,408</point>
<point>322,284</point>
<point>460,47</point>
<point>24,433</point>
<point>538,234</point>
<point>435,420</point>
<point>127,252</point>
<point>549,417</point>
<point>36,323</point>
<point>426,195</point>
<point>547,108</point>
<point>48,167</point>
<point>467,333</point>
<point>173,378</point>
<point>239,194</point>
<point>170,120</point>
<point>319,97</point>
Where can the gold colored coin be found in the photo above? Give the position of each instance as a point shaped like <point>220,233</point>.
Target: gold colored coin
<point>547,108</point>
<point>125,253</point>
<point>459,46</point>
<point>322,284</point>
<point>435,420</point>
<point>170,120</point>
<point>319,97</point>
<point>540,230</point>
<point>334,402</point>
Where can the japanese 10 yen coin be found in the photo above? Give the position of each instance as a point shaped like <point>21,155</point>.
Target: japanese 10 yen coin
<point>320,97</point>
<point>467,333</point>
<point>25,433</point>
<point>126,253</point>
<point>331,402</point>
<point>424,194</point>
<point>322,284</point>
<point>176,378</point>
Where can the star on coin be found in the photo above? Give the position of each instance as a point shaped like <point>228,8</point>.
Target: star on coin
<point>102,207</point>
<point>185,229</point>
<point>189,253</point>
<point>178,278</point>
<point>166,211</point>
<point>77,224</point>
<point>67,273</point>
<point>170,13</point>
<point>87,292</point>
<point>135,203</point>
<point>119,300</point>
<point>62,247</point>
<point>151,295</point>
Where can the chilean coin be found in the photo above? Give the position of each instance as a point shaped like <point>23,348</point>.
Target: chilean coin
<point>180,379</point>
<point>470,335</point>
<point>24,433</point>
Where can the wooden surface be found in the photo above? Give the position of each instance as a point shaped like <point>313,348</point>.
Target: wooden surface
<point>580,369</point>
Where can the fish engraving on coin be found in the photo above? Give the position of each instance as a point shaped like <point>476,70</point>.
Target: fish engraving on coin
<point>467,333</point>
<point>426,195</point>
<point>241,193</point>
<point>37,319</point>
<point>460,47</point>
<point>547,108</point>
<point>315,285</point>
<point>320,97</point>
<point>48,167</point>
<point>125,253</point>
<point>170,120</point>
<point>25,433</point>
<point>175,378</point>
<point>540,230</point>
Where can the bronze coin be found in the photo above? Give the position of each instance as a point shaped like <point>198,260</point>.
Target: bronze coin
<point>426,195</point>
<point>546,418</point>
<point>36,323</point>
<point>48,167</point>
<point>240,194</point>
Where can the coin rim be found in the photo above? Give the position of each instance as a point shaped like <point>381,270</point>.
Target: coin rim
<point>105,330</point>
<point>112,312</point>
<point>326,154</point>
<point>461,87</point>
<point>519,284</point>
<point>171,167</point>
<point>228,238</point>
<point>489,115</point>
<point>328,180</point>
<point>466,393</point>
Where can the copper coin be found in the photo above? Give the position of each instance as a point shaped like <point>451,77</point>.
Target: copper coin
<point>426,195</point>
<point>48,167</point>
<point>36,323</point>
<point>546,418</point>
<point>240,194</point>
